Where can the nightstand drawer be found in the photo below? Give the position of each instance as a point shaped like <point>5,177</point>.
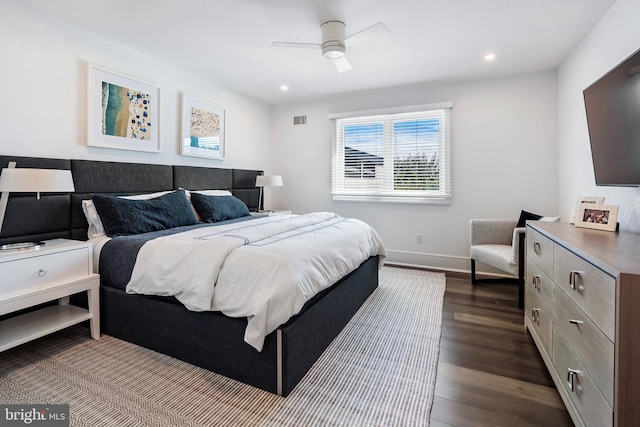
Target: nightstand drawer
<point>25,274</point>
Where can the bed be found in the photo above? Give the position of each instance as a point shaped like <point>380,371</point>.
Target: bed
<point>208,339</point>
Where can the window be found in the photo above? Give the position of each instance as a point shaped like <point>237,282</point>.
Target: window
<point>397,156</point>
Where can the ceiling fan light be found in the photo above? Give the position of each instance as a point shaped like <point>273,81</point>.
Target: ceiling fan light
<point>333,52</point>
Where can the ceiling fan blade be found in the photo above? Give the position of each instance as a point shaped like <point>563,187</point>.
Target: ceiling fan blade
<point>369,33</point>
<point>297,45</point>
<point>342,64</point>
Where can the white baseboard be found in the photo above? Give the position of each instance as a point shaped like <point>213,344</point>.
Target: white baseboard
<point>451,263</point>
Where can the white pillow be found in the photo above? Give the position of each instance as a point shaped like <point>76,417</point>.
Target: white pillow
<point>147,196</point>
<point>96,229</point>
<point>207,192</point>
<point>95,225</point>
<point>550,219</point>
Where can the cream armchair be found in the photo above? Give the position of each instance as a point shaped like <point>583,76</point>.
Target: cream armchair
<point>500,244</point>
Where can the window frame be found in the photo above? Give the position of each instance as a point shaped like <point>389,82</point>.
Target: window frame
<point>441,197</point>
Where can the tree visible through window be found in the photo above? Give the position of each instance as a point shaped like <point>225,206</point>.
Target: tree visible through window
<point>415,155</point>
<point>403,156</point>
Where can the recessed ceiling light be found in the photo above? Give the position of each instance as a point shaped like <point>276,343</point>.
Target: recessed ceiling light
<point>284,88</point>
<point>490,57</point>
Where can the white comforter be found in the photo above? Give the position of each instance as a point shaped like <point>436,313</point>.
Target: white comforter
<point>264,269</point>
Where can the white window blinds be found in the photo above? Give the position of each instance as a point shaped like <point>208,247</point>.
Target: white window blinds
<point>402,157</point>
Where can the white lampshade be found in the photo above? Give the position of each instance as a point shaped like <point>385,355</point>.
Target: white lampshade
<point>26,180</point>
<point>269,181</point>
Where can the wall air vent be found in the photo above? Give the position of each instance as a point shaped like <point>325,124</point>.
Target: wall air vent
<point>299,120</point>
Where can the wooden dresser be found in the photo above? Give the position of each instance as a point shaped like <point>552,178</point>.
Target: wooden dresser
<point>582,308</point>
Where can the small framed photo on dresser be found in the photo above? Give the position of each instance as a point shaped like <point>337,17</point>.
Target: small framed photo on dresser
<point>586,200</point>
<point>598,217</point>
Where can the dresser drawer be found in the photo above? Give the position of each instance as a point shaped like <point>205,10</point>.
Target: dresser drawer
<point>578,385</point>
<point>30,273</point>
<point>590,345</point>
<point>539,282</point>
<point>540,249</point>
<point>591,289</point>
<point>539,318</point>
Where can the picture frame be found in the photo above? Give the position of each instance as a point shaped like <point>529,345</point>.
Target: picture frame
<point>122,112</point>
<point>593,200</point>
<point>202,129</point>
<point>598,217</point>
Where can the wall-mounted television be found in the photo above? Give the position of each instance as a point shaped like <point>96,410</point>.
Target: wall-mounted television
<point>613,116</point>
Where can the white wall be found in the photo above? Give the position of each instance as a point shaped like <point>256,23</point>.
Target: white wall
<point>612,40</point>
<point>504,160</point>
<point>42,102</point>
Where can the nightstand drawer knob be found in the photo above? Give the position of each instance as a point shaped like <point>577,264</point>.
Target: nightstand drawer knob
<point>42,273</point>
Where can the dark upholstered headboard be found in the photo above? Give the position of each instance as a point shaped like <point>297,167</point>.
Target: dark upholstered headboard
<point>59,215</point>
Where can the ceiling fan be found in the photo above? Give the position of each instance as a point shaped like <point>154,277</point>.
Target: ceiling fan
<point>334,43</point>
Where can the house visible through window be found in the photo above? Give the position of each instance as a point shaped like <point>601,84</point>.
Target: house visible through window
<point>402,156</point>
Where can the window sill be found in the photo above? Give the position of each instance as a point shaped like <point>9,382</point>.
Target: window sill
<point>392,199</point>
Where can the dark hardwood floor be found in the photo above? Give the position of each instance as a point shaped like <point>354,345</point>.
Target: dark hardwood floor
<point>490,372</point>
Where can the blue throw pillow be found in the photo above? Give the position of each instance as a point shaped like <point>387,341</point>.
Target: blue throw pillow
<point>218,208</point>
<point>123,217</point>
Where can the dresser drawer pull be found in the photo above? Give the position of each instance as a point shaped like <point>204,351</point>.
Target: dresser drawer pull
<point>573,279</point>
<point>536,281</point>
<point>535,315</point>
<point>536,248</point>
<point>576,322</point>
<point>42,273</point>
<point>571,378</point>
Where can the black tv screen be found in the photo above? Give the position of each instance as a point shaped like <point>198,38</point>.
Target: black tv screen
<point>613,116</point>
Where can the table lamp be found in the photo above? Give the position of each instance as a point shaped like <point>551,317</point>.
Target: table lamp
<point>27,180</point>
<point>267,181</point>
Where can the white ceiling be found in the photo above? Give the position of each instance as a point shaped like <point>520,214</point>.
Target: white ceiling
<point>229,41</point>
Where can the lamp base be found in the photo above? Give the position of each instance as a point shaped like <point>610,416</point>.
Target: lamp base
<point>21,246</point>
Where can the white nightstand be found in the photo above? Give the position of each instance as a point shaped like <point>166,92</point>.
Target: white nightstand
<point>29,277</point>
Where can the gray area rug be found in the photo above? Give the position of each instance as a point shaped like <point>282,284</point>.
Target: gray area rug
<point>380,371</point>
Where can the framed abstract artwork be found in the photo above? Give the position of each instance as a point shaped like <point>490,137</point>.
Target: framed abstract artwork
<point>122,112</point>
<point>202,131</point>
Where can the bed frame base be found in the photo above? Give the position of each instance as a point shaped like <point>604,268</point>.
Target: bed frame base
<point>288,353</point>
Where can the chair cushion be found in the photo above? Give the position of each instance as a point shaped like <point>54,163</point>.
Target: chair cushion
<point>498,256</point>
